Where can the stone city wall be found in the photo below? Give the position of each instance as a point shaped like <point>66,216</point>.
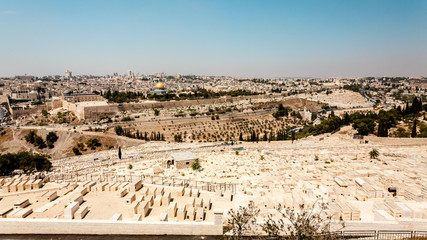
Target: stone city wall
<point>96,112</point>
<point>22,112</point>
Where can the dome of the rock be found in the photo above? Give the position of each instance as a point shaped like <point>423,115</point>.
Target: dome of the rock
<point>160,85</point>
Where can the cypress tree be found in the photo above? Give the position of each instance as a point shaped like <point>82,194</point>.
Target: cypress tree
<point>414,129</point>
<point>264,138</point>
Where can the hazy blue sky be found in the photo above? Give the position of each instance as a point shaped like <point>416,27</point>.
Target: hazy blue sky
<point>240,38</point>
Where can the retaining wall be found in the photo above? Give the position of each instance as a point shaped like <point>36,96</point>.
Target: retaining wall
<point>46,226</point>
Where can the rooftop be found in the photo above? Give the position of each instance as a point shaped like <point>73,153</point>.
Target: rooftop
<point>183,156</point>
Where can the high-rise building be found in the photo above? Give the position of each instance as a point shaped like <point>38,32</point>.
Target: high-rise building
<point>129,73</point>
<point>68,74</point>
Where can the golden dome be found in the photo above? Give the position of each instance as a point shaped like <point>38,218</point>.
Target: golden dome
<point>160,85</point>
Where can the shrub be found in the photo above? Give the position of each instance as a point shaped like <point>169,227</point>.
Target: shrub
<point>30,137</point>
<point>92,143</point>
<point>51,138</point>
<point>76,151</point>
<point>196,165</point>
<point>374,153</point>
<point>80,146</point>
<point>26,161</point>
<point>178,138</point>
<point>45,113</point>
<point>126,119</point>
<point>119,130</point>
<point>242,221</point>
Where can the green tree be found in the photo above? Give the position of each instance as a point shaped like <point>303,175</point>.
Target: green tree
<point>364,126</point>
<point>242,222</point>
<point>414,129</point>
<point>39,142</point>
<point>76,151</point>
<point>80,146</point>
<point>51,138</point>
<point>196,165</point>
<point>93,143</point>
<point>119,130</point>
<point>45,113</point>
<point>382,129</point>
<point>30,137</point>
<point>178,138</point>
<point>401,133</point>
<point>26,161</point>
<point>302,224</point>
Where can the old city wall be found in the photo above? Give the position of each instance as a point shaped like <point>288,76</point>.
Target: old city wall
<point>22,112</point>
<point>186,103</point>
<point>73,108</point>
<point>55,103</point>
<point>96,112</point>
<point>86,98</point>
<point>5,99</point>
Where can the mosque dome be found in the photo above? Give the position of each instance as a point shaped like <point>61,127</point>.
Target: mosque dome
<point>160,85</point>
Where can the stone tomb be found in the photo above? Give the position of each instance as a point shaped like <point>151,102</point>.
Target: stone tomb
<point>172,209</point>
<point>70,210</point>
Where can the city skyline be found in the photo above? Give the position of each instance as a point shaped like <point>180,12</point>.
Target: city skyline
<point>239,38</point>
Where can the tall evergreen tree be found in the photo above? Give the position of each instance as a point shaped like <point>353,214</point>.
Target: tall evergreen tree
<point>293,136</point>
<point>414,129</point>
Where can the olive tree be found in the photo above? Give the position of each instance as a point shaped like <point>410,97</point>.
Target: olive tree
<point>241,222</point>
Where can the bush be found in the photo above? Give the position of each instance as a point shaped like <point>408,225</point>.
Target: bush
<point>291,224</point>
<point>80,146</point>
<point>39,142</point>
<point>119,130</point>
<point>374,153</point>
<point>93,143</point>
<point>364,126</point>
<point>242,221</point>
<point>196,165</point>
<point>30,137</point>
<point>126,119</point>
<point>51,138</point>
<point>25,161</point>
<point>76,151</point>
<point>178,138</point>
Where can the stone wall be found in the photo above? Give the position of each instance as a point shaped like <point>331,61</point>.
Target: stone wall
<point>46,226</point>
<point>96,112</point>
<point>21,112</point>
